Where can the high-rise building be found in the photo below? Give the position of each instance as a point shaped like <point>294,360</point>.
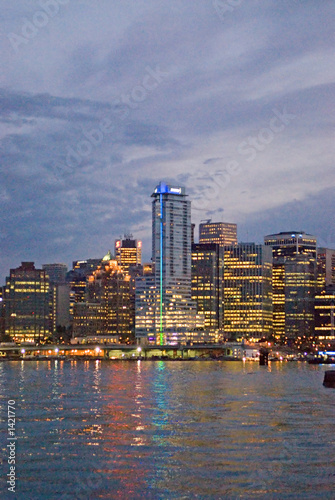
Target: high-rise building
<point>326,268</point>
<point>247,291</point>
<point>27,304</point>
<point>128,252</point>
<point>145,309</point>
<point>56,272</point>
<point>294,284</point>
<point>77,277</point>
<point>106,310</point>
<point>60,298</point>
<point>207,284</point>
<point>324,315</point>
<point>291,243</point>
<point>171,255</point>
<point>222,233</point>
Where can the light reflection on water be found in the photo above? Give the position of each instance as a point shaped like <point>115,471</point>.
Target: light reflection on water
<point>170,430</point>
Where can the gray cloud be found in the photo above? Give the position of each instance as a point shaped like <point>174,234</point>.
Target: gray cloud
<point>69,187</point>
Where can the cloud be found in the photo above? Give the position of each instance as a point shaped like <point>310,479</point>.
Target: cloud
<point>69,187</point>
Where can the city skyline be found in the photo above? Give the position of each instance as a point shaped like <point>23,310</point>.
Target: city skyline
<point>146,251</point>
<point>100,103</point>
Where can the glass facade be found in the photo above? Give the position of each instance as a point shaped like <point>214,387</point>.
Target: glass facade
<point>171,255</point>
<point>145,308</point>
<point>222,233</point>
<point>294,284</point>
<point>106,310</point>
<point>207,275</point>
<point>27,304</point>
<point>324,315</point>
<point>247,291</point>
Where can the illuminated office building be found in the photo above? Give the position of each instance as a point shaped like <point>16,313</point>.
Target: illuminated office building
<point>294,284</point>
<point>27,304</point>
<point>292,243</point>
<point>77,276</point>
<point>222,233</point>
<point>81,269</point>
<point>145,309</point>
<point>247,291</point>
<point>171,255</point>
<point>106,310</point>
<point>324,315</point>
<point>207,274</point>
<point>128,252</point>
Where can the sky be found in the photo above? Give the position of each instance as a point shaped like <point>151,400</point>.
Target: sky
<point>100,101</point>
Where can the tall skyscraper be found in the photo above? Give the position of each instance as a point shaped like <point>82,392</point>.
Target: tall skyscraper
<point>247,291</point>
<point>171,255</point>
<point>294,284</point>
<point>27,304</point>
<point>222,233</point>
<point>207,285</point>
<point>128,252</point>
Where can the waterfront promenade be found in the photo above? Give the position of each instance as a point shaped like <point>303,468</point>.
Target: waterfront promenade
<point>227,351</point>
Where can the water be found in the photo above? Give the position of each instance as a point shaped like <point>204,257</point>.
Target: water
<point>168,430</point>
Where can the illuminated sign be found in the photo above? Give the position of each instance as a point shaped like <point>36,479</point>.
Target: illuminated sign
<point>117,244</point>
<point>163,188</point>
<point>139,244</point>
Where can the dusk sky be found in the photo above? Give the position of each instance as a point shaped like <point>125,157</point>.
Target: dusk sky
<point>102,100</point>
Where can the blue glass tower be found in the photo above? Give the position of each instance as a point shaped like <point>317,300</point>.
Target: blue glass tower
<point>171,255</point>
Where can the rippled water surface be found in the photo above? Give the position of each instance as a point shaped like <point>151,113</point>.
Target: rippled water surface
<point>169,430</point>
